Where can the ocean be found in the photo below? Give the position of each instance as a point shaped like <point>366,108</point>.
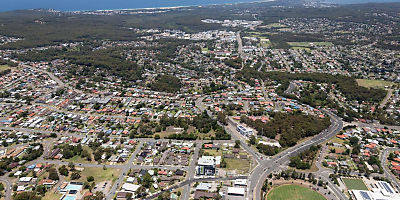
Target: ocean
<point>79,5</point>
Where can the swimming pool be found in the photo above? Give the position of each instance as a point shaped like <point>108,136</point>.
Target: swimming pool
<point>69,198</point>
<point>73,187</point>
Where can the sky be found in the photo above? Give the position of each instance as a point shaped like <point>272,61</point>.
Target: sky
<point>77,5</point>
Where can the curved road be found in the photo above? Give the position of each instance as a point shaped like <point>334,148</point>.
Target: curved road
<point>260,173</point>
<point>388,174</point>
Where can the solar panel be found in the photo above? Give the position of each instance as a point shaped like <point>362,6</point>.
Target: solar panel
<point>387,187</point>
<point>365,195</point>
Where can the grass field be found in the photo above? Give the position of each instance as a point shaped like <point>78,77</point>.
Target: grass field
<point>242,166</point>
<point>213,152</point>
<point>354,184</point>
<point>301,48</point>
<point>373,83</point>
<point>204,49</point>
<point>276,25</point>
<point>294,192</point>
<point>4,67</point>
<point>98,173</point>
<point>51,196</point>
<point>308,44</point>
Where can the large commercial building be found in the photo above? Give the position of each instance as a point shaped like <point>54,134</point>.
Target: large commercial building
<point>207,164</point>
<point>380,191</point>
<point>244,131</point>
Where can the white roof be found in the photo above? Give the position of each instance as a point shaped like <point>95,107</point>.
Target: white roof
<point>20,188</point>
<point>130,187</point>
<point>204,186</point>
<point>17,173</point>
<point>151,172</point>
<point>240,182</point>
<point>130,180</point>
<point>25,179</point>
<point>235,190</point>
<point>206,160</point>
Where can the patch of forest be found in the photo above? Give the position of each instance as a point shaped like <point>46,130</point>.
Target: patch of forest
<point>166,83</point>
<point>291,127</point>
<point>346,85</point>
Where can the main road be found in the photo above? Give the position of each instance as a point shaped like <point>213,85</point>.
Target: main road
<point>191,171</point>
<point>388,174</point>
<point>266,167</point>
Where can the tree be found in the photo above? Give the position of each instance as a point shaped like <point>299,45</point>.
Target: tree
<point>165,196</point>
<point>91,186</point>
<point>141,192</point>
<point>76,175</point>
<point>147,180</point>
<point>63,170</point>
<point>67,154</point>
<point>71,166</point>
<point>26,196</point>
<point>53,175</point>
<point>90,178</point>
<point>320,183</point>
<point>41,189</point>
<point>86,154</point>
<point>391,156</point>
<point>294,161</point>
<point>129,196</point>
<point>354,141</point>
<point>157,136</point>
<point>237,144</point>
<point>252,140</point>
<point>223,163</point>
<point>1,187</point>
<point>221,116</point>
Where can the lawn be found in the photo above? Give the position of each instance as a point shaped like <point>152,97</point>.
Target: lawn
<point>308,44</point>
<point>354,184</point>
<point>98,173</point>
<point>276,25</point>
<point>213,152</point>
<point>337,140</point>
<point>77,159</point>
<point>294,192</point>
<point>4,67</point>
<point>204,49</point>
<point>373,83</point>
<point>301,48</point>
<point>241,165</point>
<point>51,196</point>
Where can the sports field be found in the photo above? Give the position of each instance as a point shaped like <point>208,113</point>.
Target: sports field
<point>354,184</point>
<point>308,44</point>
<point>373,83</point>
<point>275,25</point>
<point>294,192</point>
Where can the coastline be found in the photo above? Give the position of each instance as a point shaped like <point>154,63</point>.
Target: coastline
<point>173,7</point>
